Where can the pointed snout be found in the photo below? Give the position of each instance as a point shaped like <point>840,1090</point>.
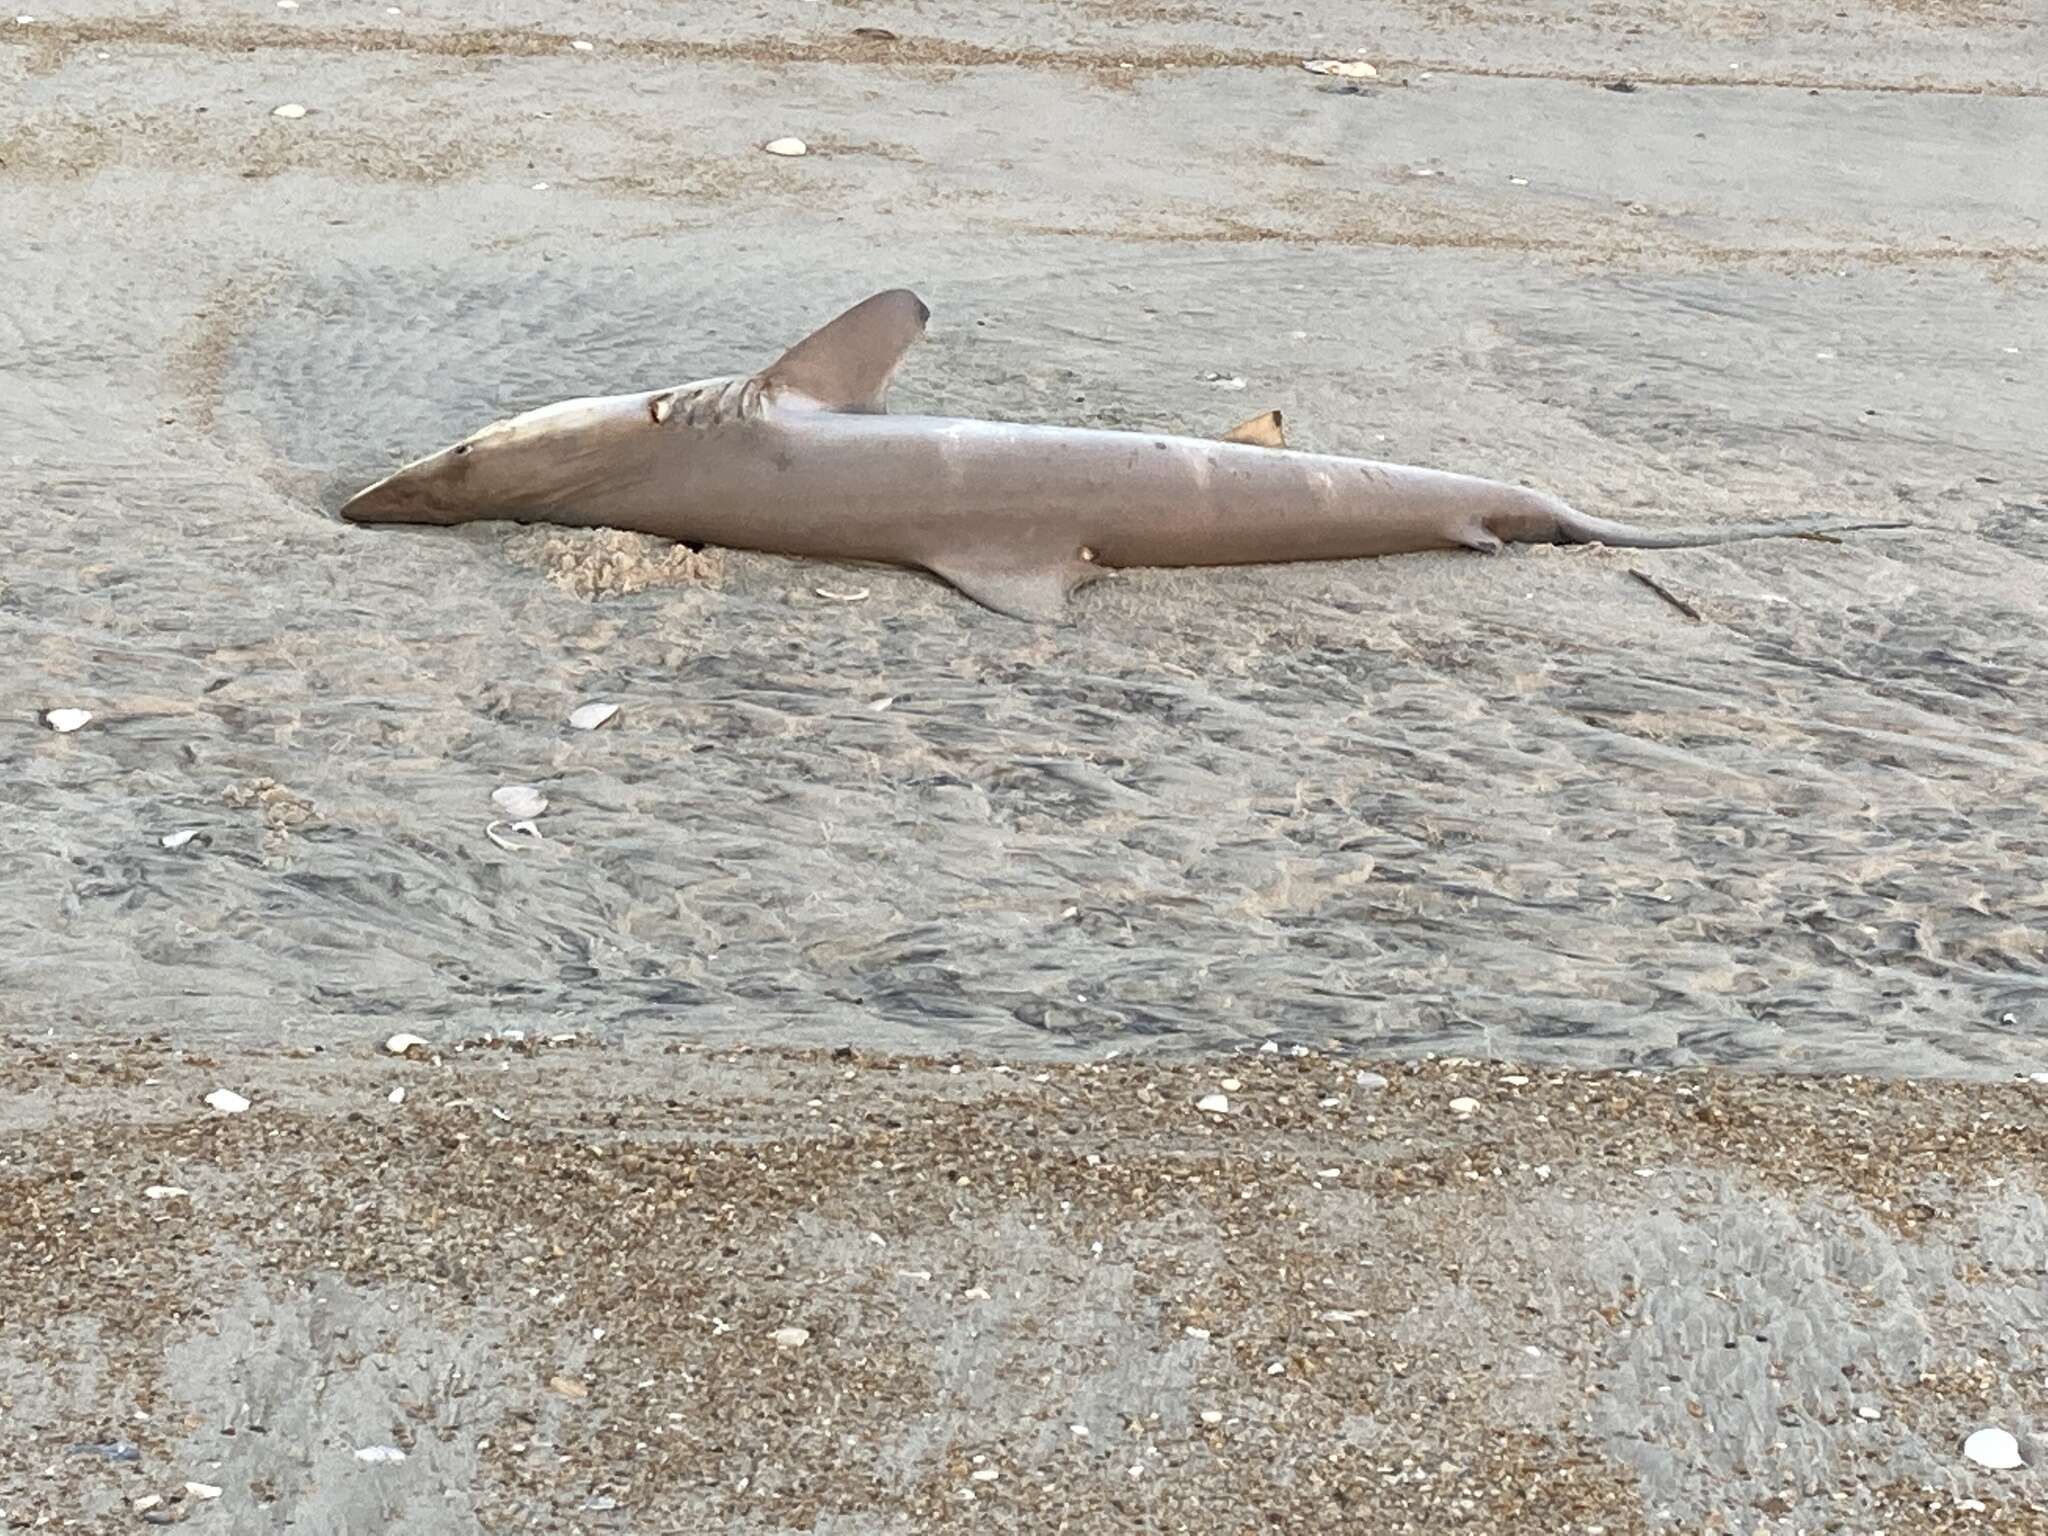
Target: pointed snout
<point>405,496</point>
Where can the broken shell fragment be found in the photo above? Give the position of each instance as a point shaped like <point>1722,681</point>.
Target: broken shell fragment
<point>1349,69</point>
<point>227,1101</point>
<point>525,828</point>
<point>521,802</point>
<point>588,717</point>
<point>1993,1448</point>
<point>787,147</point>
<point>65,721</point>
<point>403,1044</point>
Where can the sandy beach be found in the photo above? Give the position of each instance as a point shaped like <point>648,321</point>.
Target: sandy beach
<point>877,955</point>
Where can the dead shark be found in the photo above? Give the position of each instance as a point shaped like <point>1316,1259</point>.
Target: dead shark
<point>801,459</point>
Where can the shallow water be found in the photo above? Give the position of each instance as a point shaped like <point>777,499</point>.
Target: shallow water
<point>1516,806</point>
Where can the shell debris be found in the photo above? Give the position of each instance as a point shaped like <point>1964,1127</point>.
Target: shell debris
<point>520,802</point>
<point>788,148</point>
<point>1347,69</point>
<point>65,721</point>
<point>525,829</point>
<point>1994,1448</point>
<point>227,1101</point>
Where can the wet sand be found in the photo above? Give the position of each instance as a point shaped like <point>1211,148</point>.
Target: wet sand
<point>1699,263</point>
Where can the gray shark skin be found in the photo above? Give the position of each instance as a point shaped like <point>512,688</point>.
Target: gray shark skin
<point>801,459</point>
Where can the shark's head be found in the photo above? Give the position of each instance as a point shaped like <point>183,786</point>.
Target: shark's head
<point>521,467</point>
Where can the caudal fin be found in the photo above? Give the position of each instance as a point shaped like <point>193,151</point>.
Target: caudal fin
<point>1574,527</point>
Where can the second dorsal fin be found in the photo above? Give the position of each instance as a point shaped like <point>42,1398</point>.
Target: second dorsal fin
<point>846,363</point>
<point>1261,431</point>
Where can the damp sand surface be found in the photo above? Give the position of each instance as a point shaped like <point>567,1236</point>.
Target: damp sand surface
<point>1718,816</point>
<point>1522,805</point>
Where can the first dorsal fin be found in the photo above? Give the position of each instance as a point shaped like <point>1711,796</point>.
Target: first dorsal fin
<point>1261,431</point>
<point>846,364</point>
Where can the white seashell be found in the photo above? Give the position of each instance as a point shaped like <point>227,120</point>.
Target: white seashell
<point>1213,1104</point>
<point>1993,1448</point>
<point>581,46</point>
<point>164,1192</point>
<point>588,717</point>
<point>525,828</point>
<point>399,1044</point>
<point>521,802</point>
<point>858,596</point>
<point>791,1338</point>
<point>65,721</point>
<point>290,109</point>
<point>380,1453</point>
<point>202,1490</point>
<point>1350,69</point>
<point>175,840</point>
<point>1464,1106</point>
<point>228,1102</point>
<point>791,147</point>
<point>397,1095</point>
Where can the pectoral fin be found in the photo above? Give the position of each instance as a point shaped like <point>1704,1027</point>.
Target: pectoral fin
<point>1035,593</point>
<point>1262,431</point>
<point>846,363</point>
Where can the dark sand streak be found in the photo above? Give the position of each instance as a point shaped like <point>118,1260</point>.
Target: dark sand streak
<point>47,40</point>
